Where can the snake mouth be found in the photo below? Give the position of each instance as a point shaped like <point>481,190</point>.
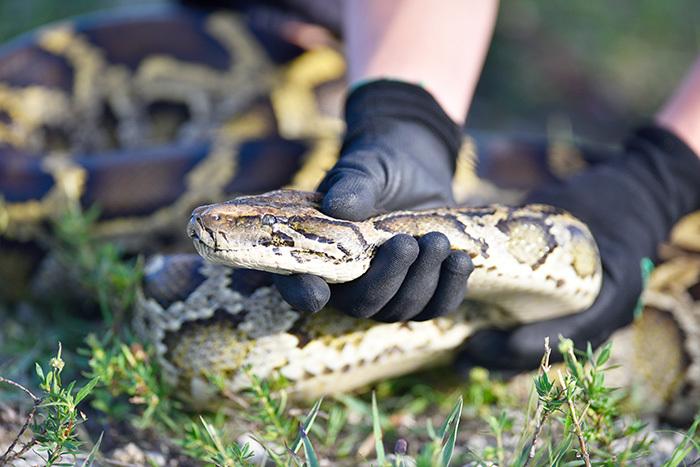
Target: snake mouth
<point>192,231</point>
<point>205,242</point>
<point>195,231</point>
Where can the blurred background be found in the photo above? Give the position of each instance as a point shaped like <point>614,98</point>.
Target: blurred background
<point>592,67</point>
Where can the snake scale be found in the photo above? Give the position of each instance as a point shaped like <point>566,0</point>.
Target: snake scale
<point>198,108</point>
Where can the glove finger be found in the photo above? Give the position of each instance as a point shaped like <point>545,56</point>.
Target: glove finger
<point>366,295</point>
<point>451,288</point>
<point>303,292</point>
<point>350,194</point>
<point>421,280</point>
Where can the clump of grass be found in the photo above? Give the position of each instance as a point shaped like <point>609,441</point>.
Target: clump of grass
<point>100,266</point>
<point>130,387</point>
<point>53,418</point>
<point>581,414</point>
<point>206,442</point>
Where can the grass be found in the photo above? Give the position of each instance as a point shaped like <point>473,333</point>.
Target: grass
<point>573,417</point>
<point>53,418</point>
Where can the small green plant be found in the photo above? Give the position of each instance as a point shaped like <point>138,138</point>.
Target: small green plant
<point>129,380</point>
<point>437,452</point>
<point>264,410</point>
<point>498,426</point>
<point>586,410</point>
<point>99,265</point>
<point>268,406</point>
<point>683,450</point>
<point>205,441</point>
<point>267,412</point>
<point>53,418</point>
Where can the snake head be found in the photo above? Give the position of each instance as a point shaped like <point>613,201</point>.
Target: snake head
<point>282,232</point>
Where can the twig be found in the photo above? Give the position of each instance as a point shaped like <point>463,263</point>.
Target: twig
<point>9,455</point>
<point>34,398</point>
<point>541,413</point>
<point>577,425</point>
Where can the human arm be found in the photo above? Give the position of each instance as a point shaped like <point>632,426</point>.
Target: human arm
<point>680,114</point>
<point>441,46</point>
<point>420,65</point>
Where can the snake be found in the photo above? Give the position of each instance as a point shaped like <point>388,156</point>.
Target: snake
<point>526,259</point>
<point>215,105</point>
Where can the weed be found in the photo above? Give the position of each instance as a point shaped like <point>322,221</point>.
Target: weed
<point>206,442</point>
<point>99,265</point>
<point>53,418</point>
<point>128,380</point>
<point>585,410</point>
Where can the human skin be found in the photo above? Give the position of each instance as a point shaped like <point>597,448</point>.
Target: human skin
<point>440,46</point>
<point>681,112</point>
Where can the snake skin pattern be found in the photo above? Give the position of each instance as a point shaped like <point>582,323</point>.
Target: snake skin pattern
<point>534,261</point>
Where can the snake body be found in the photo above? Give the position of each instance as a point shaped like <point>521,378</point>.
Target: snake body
<point>206,106</point>
<point>531,263</point>
<point>534,261</point>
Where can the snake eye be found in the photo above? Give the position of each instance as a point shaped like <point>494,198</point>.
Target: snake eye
<point>268,219</point>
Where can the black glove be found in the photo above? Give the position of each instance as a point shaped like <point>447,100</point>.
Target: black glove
<point>630,205</point>
<point>399,152</point>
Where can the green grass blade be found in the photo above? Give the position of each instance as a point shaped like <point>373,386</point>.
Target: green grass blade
<point>681,451</point>
<point>311,458</point>
<point>450,429</point>
<point>560,451</point>
<point>456,412</point>
<point>293,457</point>
<point>308,422</point>
<point>91,457</point>
<point>377,430</point>
<point>213,435</point>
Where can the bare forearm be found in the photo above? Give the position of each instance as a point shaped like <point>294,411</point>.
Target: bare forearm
<point>681,113</point>
<point>439,45</point>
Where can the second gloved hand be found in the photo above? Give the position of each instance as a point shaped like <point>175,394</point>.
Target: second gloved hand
<point>399,152</point>
<point>630,204</point>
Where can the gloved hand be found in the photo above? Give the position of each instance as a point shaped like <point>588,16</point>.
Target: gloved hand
<point>630,205</point>
<point>399,152</point>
